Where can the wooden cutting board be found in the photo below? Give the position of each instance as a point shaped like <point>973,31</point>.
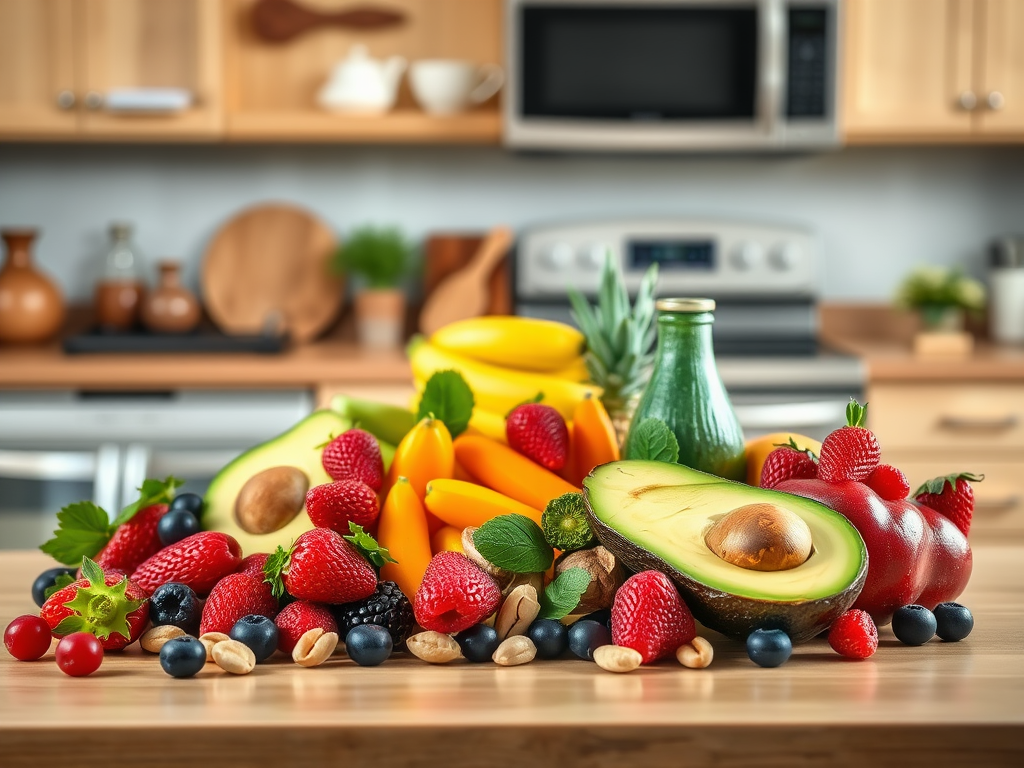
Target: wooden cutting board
<point>268,267</point>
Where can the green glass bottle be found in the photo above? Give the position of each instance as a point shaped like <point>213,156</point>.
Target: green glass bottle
<point>686,392</point>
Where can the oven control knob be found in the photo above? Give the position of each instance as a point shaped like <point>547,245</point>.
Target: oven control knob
<point>557,257</point>
<point>592,256</point>
<point>785,256</point>
<point>748,255</point>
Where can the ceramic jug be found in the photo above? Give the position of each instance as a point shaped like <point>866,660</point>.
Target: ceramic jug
<point>31,308</point>
<point>360,83</point>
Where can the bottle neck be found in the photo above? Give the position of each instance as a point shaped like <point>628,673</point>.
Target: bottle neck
<point>684,339</point>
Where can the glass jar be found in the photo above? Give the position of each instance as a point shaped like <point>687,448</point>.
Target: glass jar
<point>120,289</point>
<point>686,392</point>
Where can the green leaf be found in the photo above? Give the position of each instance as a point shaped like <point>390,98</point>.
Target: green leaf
<point>83,530</point>
<point>368,546</point>
<point>93,573</point>
<point>654,441</point>
<point>97,608</point>
<point>938,484</point>
<point>152,492</point>
<point>563,594</point>
<point>514,542</point>
<point>62,580</point>
<point>273,570</point>
<point>539,397</point>
<point>448,397</point>
<point>856,414</point>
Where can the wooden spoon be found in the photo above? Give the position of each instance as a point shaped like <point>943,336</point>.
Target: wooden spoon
<point>279,21</point>
<point>464,294</point>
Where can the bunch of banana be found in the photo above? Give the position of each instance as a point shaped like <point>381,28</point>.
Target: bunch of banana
<point>507,361</point>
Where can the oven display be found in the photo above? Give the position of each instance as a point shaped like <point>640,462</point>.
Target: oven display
<point>672,254</point>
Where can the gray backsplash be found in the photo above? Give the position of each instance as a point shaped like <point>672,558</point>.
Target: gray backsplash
<point>878,211</point>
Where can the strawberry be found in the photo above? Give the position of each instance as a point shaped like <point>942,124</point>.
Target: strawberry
<point>297,618</point>
<point>235,596</point>
<point>854,635</point>
<point>888,482</point>
<point>253,564</point>
<point>335,505</point>
<point>355,455</point>
<point>198,561</point>
<point>850,452</point>
<point>649,616</point>
<point>539,432</point>
<point>788,462</point>
<point>455,594</point>
<point>952,496</point>
<point>109,606</point>
<point>322,566</point>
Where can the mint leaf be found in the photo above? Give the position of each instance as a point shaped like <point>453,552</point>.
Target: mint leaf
<point>563,594</point>
<point>368,546</point>
<point>448,398</point>
<point>514,542</point>
<point>83,530</point>
<point>273,570</point>
<point>152,492</point>
<point>654,441</point>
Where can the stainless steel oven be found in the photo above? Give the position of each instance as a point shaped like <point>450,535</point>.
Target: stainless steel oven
<point>661,75</point>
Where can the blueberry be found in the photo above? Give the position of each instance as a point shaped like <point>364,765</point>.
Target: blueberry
<point>190,501</point>
<point>551,638</point>
<point>182,656</point>
<point>586,636</point>
<point>602,616</point>
<point>478,643</point>
<point>368,645</point>
<point>913,624</point>
<point>176,604</point>
<point>258,633</point>
<point>176,525</point>
<point>45,580</point>
<point>769,647</point>
<point>953,621</point>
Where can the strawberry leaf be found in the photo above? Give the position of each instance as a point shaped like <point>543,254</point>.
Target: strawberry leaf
<point>563,594</point>
<point>83,529</point>
<point>856,414</point>
<point>368,546</point>
<point>937,484</point>
<point>152,492</point>
<point>792,444</point>
<point>274,569</point>
<point>62,580</point>
<point>447,397</point>
<point>97,608</point>
<point>539,397</point>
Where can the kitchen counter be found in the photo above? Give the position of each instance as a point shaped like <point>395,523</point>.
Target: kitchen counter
<point>944,703</point>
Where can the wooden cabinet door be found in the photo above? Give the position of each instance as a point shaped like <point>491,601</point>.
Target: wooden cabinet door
<point>907,62</point>
<point>37,84</point>
<point>1000,80</point>
<point>152,44</point>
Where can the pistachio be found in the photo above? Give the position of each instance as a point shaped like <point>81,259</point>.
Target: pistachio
<point>695,654</point>
<point>433,647</point>
<point>606,576</point>
<point>314,647</point>
<point>234,657</point>
<point>617,658</point>
<point>517,612</point>
<point>211,639</point>
<point>271,499</point>
<point>514,651</point>
<point>154,638</point>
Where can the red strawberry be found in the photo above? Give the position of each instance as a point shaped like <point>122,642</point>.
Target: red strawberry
<point>649,616</point>
<point>850,452</point>
<point>109,606</point>
<point>355,455</point>
<point>788,462</point>
<point>253,564</point>
<point>199,561</point>
<point>322,567</point>
<point>297,618</point>
<point>951,496</point>
<point>133,541</point>
<point>539,432</point>
<point>888,482</point>
<point>335,505</point>
<point>455,594</point>
<point>235,596</point>
<point>854,635</point>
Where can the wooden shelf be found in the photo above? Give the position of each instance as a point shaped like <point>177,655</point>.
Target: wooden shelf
<point>401,127</point>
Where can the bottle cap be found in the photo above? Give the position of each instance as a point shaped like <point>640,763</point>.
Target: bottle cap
<point>685,305</point>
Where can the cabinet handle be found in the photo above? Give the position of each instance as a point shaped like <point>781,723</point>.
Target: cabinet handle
<point>965,424</point>
<point>66,100</point>
<point>996,505</point>
<point>93,100</point>
<point>996,100</point>
<point>967,101</point>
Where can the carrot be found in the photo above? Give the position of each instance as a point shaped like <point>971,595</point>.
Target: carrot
<point>593,438</point>
<point>403,530</point>
<point>424,454</point>
<point>446,539</point>
<point>461,504</point>
<point>504,470</point>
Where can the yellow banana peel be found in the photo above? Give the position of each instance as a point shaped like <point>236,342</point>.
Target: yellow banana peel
<point>521,343</point>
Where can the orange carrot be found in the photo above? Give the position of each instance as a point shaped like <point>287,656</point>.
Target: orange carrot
<point>593,438</point>
<point>448,538</point>
<point>424,454</point>
<point>403,530</point>
<point>461,504</point>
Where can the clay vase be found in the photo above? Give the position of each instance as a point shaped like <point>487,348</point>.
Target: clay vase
<point>380,318</point>
<point>31,307</point>
<point>170,308</point>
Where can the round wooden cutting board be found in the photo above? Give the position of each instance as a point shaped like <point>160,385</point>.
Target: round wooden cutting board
<point>269,267</point>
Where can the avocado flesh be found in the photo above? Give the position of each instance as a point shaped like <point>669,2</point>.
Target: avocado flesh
<point>654,515</point>
<point>301,447</point>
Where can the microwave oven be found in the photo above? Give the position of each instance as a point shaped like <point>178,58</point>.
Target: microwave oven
<point>672,75</point>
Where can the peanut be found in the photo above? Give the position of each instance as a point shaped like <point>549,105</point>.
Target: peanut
<point>617,658</point>
<point>695,654</point>
<point>209,640</point>
<point>314,647</point>
<point>234,657</point>
<point>433,647</point>
<point>517,612</point>
<point>514,651</point>
<point>154,638</point>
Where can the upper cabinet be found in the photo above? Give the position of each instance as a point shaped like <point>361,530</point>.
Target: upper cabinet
<point>933,70</point>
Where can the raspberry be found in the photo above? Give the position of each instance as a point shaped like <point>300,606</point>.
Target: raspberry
<point>787,463</point>
<point>854,635</point>
<point>888,482</point>
<point>649,616</point>
<point>455,594</point>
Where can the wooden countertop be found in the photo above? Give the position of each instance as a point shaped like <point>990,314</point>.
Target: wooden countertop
<point>943,703</point>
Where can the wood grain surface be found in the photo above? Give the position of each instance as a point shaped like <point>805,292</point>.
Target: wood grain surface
<point>940,704</point>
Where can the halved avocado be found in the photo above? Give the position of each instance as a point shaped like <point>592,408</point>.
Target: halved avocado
<point>654,515</point>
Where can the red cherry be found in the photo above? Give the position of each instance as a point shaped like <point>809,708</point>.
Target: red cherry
<point>27,638</point>
<point>79,654</point>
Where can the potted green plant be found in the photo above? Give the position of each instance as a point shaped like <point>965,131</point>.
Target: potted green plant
<point>379,259</point>
<point>941,296</point>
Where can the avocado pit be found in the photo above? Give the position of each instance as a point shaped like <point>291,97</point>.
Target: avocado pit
<point>760,537</point>
<point>271,499</point>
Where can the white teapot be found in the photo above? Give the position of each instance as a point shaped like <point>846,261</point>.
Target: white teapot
<point>359,83</point>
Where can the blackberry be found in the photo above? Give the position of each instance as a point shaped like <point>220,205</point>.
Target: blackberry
<point>388,607</point>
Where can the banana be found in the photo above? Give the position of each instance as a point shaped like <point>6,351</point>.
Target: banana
<point>575,371</point>
<point>523,343</point>
<point>488,424</point>
<point>496,389</point>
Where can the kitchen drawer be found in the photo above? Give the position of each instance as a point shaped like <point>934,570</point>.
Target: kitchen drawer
<point>947,416</point>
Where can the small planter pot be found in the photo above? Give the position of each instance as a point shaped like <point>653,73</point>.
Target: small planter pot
<point>938,318</point>
<point>380,318</point>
